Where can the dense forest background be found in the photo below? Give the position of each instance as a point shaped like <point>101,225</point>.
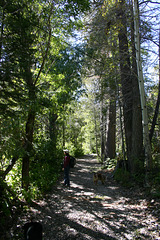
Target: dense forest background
<point>82,75</point>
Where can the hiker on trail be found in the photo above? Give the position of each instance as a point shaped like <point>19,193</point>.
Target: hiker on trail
<point>66,168</point>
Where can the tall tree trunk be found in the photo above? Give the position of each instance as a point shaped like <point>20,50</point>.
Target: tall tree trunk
<point>96,131</point>
<point>111,134</point>
<point>28,148</point>
<point>126,80</point>
<point>102,126</point>
<point>121,127</point>
<point>31,84</point>
<point>157,103</point>
<point>28,141</point>
<point>137,129</point>
<point>147,145</point>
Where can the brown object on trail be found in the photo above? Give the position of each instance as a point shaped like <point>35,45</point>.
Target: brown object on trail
<point>99,176</point>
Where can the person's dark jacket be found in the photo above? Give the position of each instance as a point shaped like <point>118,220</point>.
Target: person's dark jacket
<point>66,161</point>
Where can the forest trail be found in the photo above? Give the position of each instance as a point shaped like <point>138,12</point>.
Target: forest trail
<point>94,212</point>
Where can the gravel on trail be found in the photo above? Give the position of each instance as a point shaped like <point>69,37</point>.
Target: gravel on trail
<point>87,211</point>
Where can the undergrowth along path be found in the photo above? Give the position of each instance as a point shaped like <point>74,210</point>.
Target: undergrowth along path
<point>90,212</point>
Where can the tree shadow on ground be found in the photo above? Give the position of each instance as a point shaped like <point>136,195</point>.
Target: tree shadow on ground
<point>92,212</point>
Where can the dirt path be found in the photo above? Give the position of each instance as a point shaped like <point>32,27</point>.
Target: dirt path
<point>94,212</point>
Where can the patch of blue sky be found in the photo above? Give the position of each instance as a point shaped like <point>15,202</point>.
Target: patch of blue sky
<point>150,12</point>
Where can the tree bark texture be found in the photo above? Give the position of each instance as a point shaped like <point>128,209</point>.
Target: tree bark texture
<point>121,127</point>
<point>146,141</point>
<point>102,129</point>
<point>28,148</point>
<point>137,129</point>
<point>157,103</point>
<point>126,80</point>
<point>28,143</point>
<point>111,135</point>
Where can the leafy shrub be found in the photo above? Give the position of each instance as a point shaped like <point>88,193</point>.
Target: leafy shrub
<point>7,200</point>
<point>155,182</point>
<point>122,177</point>
<point>45,168</point>
<point>109,163</point>
<point>75,150</point>
<point>13,178</point>
<point>4,199</point>
<point>78,152</point>
<point>43,176</point>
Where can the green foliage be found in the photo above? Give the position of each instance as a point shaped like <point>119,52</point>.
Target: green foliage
<point>126,178</point>
<point>47,177</point>
<point>45,168</point>
<point>4,199</point>
<point>13,179</point>
<point>76,6</point>
<point>154,179</point>
<point>109,163</point>
<point>8,199</point>
<point>76,151</point>
<point>122,177</point>
<point>47,162</point>
<point>138,179</point>
<point>39,73</point>
<point>139,167</point>
<point>10,131</point>
<point>156,159</point>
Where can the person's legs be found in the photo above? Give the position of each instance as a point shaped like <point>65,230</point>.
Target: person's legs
<point>66,177</point>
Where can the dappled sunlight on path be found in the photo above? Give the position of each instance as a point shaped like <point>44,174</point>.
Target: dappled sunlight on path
<point>86,211</point>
